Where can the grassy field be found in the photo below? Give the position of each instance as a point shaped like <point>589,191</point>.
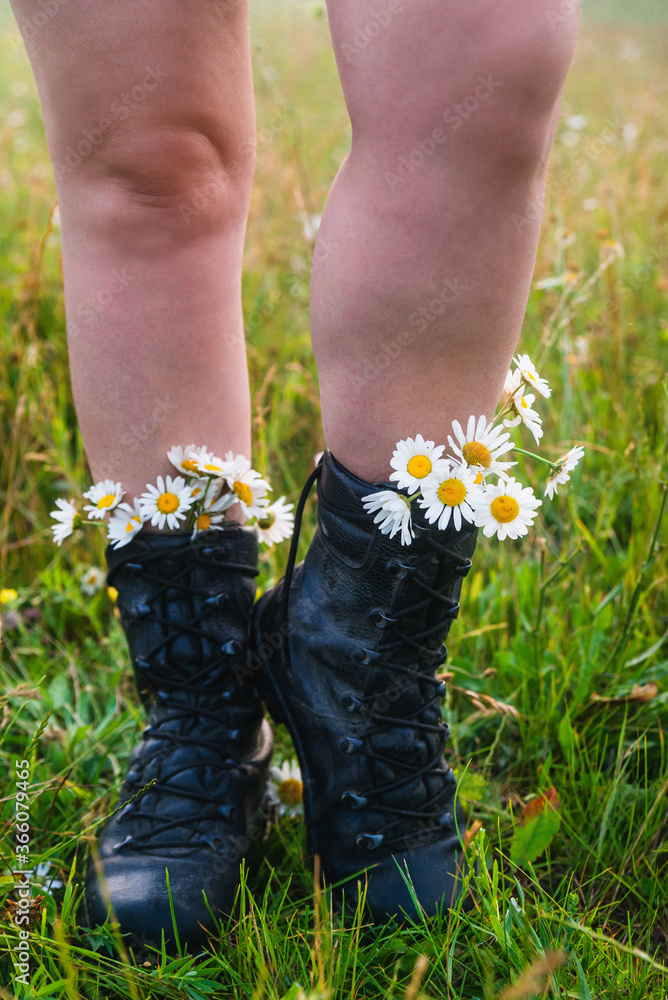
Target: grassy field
<point>558,661</point>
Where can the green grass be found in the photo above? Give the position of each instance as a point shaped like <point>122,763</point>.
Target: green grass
<point>578,609</point>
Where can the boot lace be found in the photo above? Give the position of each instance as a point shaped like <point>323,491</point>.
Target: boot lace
<point>397,646</point>
<point>207,698</point>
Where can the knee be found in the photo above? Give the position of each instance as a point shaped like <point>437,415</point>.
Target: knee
<point>488,95</point>
<point>192,180</point>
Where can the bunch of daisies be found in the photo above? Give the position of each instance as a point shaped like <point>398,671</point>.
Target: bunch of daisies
<point>459,487</point>
<point>195,500</point>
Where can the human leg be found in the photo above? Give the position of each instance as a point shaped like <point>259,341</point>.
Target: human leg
<point>419,285</point>
<point>421,278</point>
<point>150,123</point>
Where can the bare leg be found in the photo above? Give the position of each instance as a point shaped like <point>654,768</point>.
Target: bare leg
<point>150,122</point>
<point>425,253</point>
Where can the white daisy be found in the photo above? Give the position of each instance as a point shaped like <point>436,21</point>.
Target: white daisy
<point>249,487</point>
<point>203,489</point>
<point>124,524</point>
<point>530,375</point>
<point>286,789</point>
<point>167,503</point>
<point>276,522</point>
<point>41,871</point>
<point>103,497</point>
<point>68,517</point>
<point>92,580</point>
<point>561,469</point>
<point>524,414</point>
<point>212,514</point>
<point>393,514</point>
<point>513,381</point>
<point>413,461</point>
<point>481,446</point>
<point>211,465</point>
<point>449,495</point>
<point>184,459</point>
<point>506,509</point>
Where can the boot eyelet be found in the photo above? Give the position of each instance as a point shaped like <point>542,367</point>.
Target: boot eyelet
<point>132,777</point>
<point>463,568</point>
<point>441,690</point>
<point>353,800</point>
<point>451,778</point>
<point>447,821</point>
<point>142,664</point>
<point>162,696</point>
<point>229,813</point>
<point>231,648</point>
<point>380,619</point>
<point>212,841</point>
<point>147,731</point>
<point>396,569</point>
<point>236,735</point>
<point>215,601</point>
<point>123,843</point>
<point>369,841</point>
<point>365,656</point>
<point>141,610</point>
<point>350,745</point>
<point>351,704</point>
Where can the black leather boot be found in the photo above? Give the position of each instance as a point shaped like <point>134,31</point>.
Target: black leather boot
<point>350,641</point>
<point>185,607</point>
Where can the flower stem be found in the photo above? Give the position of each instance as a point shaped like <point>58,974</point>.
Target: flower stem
<point>538,458</point>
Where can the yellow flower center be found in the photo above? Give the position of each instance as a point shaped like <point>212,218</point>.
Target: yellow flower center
<point>478,479</point>
<point>113,594</point>
<point>524,403</point>
<point>476,453</point>
<point>8,594</point>
<point>529,376</point>
<point>195,491</point>
<point>130,526</point>
<point>189,465</point>
<point>203,522</point>
<point>419,466</point>
<point>243,492</point>
<point>505,509</point>
<point>290,792</point>
<point>168,503</point>
<point>213,468</point>
<point>267,521</point>
<point>452,492</point>
<point>106,501</point>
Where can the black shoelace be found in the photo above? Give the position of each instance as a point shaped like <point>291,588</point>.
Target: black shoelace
<point>205,687</point>
<point>398,645</point>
